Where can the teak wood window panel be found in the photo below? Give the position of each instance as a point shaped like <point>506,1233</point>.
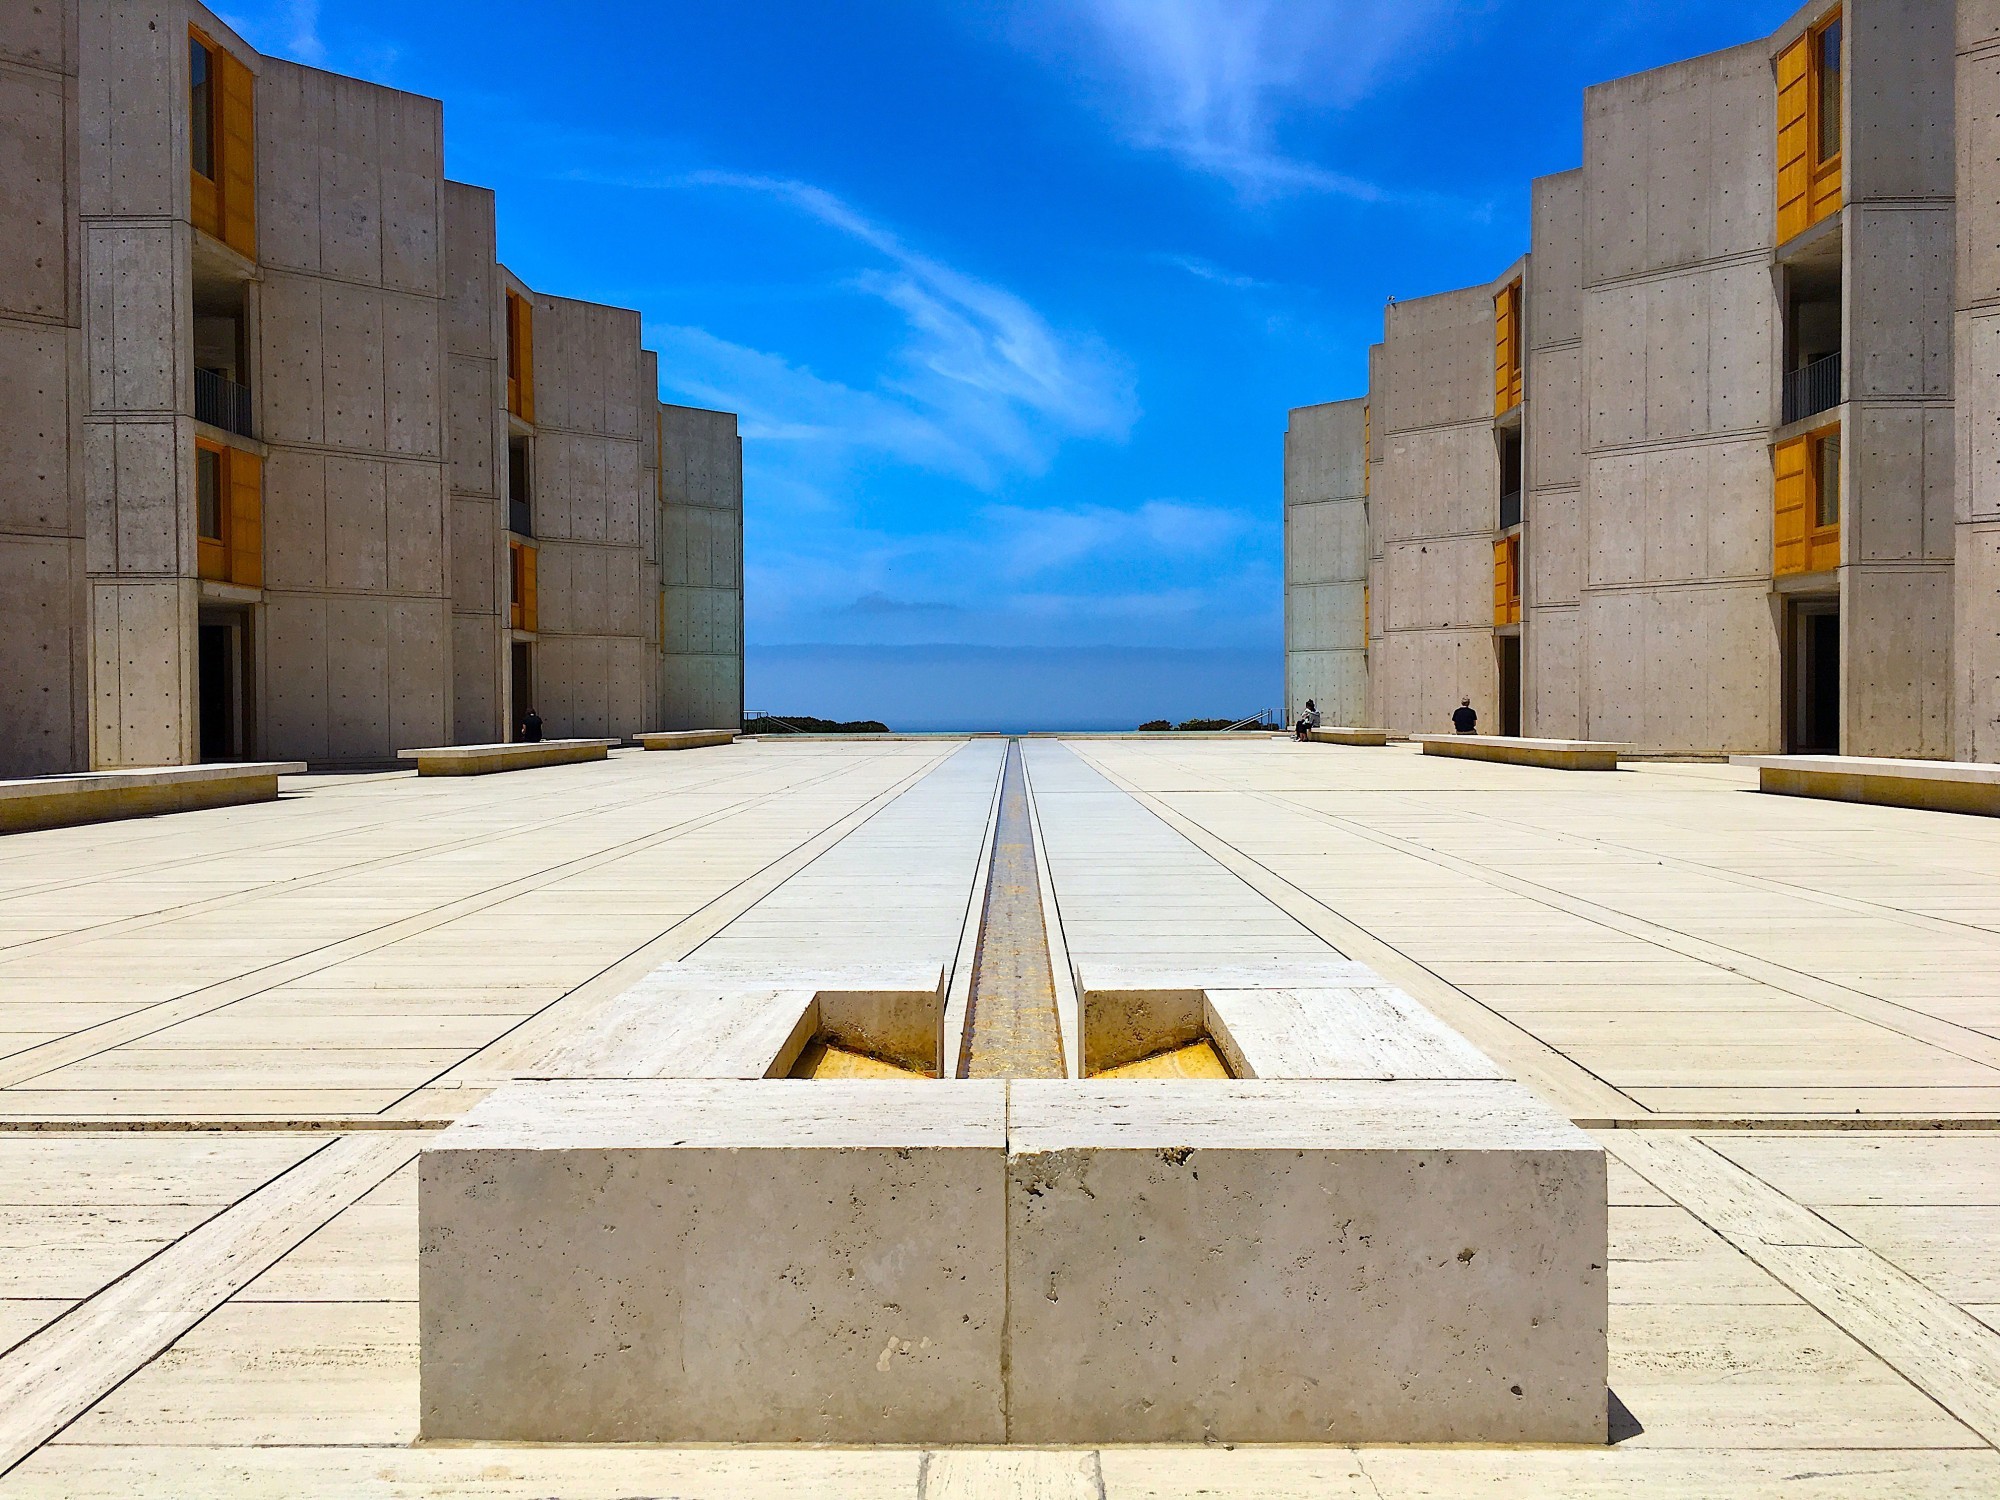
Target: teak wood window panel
<point>522,612</point>
<point>222,145</point>
<point>1810,127</point>
<point>1507,580</point>
<point>1805,488</point>
<point>520,357</point>
<point>1507,382</point>
<point>229,514</point>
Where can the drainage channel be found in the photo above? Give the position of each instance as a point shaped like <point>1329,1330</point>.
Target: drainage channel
<point>1011,1025</point>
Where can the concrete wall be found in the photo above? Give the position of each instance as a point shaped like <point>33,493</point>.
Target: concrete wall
<point>44,659</point>
<point>595,671</point>
<point>1326,562</point>
<point>1896,526</point>
<point>1975,676</point>
<point>1679,633</point>
<point>357,611</point>
<point>1553,540</point>
<point>476,433</point>
<point>1434,508</point>
<point>701,568</point>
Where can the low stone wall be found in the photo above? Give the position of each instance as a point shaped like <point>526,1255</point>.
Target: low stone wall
<point>685,739</point>
<point>487,760</point>
<point>104,796</point>
<point>1933,785</point>
<point>1554,755</point>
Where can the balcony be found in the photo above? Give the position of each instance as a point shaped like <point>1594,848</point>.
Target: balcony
<point>1812,388</point>
<point>221,402</point>
<point>1510,509</point>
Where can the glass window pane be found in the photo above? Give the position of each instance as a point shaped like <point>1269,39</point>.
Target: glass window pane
<point>208,493</point>
<point>1827,512</point>
<point>1829,92</point>
<point>201,113</point>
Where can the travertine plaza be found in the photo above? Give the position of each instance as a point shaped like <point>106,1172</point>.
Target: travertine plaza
<point>395,1104</point>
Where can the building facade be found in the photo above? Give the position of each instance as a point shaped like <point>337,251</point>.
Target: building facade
<point>1709,485</point>
<point>297,469</point>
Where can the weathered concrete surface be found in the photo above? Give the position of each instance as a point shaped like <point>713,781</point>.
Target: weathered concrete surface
<point>1301,1262</point>
<point>1328,734</point>
<point>769,1262</point>
<point>1975,670</point>
<point>1326,561</point>
<point>701,567</point>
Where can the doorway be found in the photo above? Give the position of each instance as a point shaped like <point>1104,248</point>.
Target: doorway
<point>222,686</point>
<point>524,686</point>
<point>1510,683</point>
<point>1812,671</point>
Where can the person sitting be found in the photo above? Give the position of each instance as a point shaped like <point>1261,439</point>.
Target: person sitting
<point>531,728</point>
<point>1465,718</point>
<point>1309,721</point>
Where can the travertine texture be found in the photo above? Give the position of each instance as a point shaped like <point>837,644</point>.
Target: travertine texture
<point>768,1262</point>
<point>1295,1262</point>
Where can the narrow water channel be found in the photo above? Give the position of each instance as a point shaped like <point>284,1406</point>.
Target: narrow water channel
<point>1011,1025</point>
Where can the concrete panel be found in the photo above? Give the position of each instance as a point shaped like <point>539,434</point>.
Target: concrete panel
<point>357,525</point>
<point>133,314</point>
<point>132,62</point>
<point>475,681</point>
<point>472,283</point>
<point>1899,99</point>
<point>1552,687</point>
<point>1615,344</point>
<point>34,259</point>
<point>1976,642</point>
<point>143,673</point>
<point>1555,268</point>
<point>295,519</point>
<point>1555,537</point>
<point>475,584</point>
<point>412,192</point>
<point>37,35</point>
<point>350,181</point>
<point>1323,457</point>
<point>351,358</point>
<point>291,357</point>
<point>1895,654</point>
<point>295,655</point>
<point>1899,269</point>
<point>132,477</point>
<point>1554,417</point>
<point>1900,469</point>
<point>35,429</point>
<point>420,668</point>
<point>415,498</point>
<point>290,104</point>
<point>1976,416</point>
<point>474,448</point>
<point>41,689</point>
<point>1977,126</point>
<point>359,712</point>
<point>1325,542</point>
<point>412,374</point>
<point>1439,351</point>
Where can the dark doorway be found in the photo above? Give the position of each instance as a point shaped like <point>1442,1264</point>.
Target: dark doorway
<point>524,686</point>
<point>1510,684</point>
<point>222,659</point>
<point>1814,677</point>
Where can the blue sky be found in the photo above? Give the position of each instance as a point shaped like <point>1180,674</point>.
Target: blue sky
<point>1012,297</point>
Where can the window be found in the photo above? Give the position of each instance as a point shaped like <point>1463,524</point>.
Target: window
<point>1826,91</point>
<point>1510,477</point>
<point>201,110</point>
<point>1809,133</point>
<point>228,514</point>
<point>1507,580</point>
<point>222,145</point>
<point>1826,481</point>
<point>208,494</point>
<point>520,510</point>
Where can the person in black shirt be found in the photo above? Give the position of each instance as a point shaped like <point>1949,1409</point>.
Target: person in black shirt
<point>1465,718</point>
<point>531,728</point>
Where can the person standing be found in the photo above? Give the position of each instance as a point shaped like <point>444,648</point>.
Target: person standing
<point>1465,718</point>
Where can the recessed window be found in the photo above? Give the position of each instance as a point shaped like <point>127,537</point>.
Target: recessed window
<point>1827,83</point>
<point>208,493</point>
<point>201,109</point>
<point>1826,466</point>
<point>520,507</point>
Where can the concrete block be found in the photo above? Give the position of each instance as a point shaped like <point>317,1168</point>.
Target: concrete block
<point>1556,755</point>
<point>1330,734</point>
<point>1939,786</point>
<point>486,760</point>
<point>34,259</point>
<point>891,1011</point>
<point>772,1262</point>
<point>1302,1262</point>
<point>105,796</point>
<point>673,1024</point>
<point>685,739</point>
<point>35,429</point>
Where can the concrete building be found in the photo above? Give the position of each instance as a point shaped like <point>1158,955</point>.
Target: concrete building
<point>1709,481</point>
<point>297,468</point>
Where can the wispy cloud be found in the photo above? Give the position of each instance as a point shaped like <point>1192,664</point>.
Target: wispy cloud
<point>289,28</point>
<point>1210,81</point>
<point>1208,270</point>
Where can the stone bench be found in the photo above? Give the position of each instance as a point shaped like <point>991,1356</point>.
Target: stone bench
<point>684,739</point>
<point>1555,755</point>
<point>140,792</point>
<point>1335,734</point>
<point>1959,786</point>
<point>485,760</point>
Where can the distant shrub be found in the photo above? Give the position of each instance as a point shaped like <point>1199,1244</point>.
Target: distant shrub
<point>1154,725</point>
<point>797,724</point>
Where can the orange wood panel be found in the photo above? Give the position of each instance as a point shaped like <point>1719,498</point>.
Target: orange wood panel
<point>1794,139</point>
<point>1791,499</point>
<point>236,141</point>
<point>243,479</point>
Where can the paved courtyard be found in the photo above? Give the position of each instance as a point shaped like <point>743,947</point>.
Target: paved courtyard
<point>225,1036</point>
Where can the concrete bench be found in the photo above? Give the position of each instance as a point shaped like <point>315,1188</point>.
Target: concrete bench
<point>140,792</point>
<point>1555,755</point>
<point>1935,785</point>
<point>484,760</point>
<point>1335,734</point>
<point>684,739</point>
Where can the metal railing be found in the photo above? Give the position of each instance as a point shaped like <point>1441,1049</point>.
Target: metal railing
<point>221,402</point>
<point>1510,509</point>
<point>1812,388</point>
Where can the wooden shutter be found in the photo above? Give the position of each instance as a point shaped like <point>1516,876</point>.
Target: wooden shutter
<point>1822,542</point>
<point>236,143</point>
<point>1824,190</point>
<point>1507,581</point>
<point>1507,349</point>
<point>530,614</point>
<point>243,479</point>
<point>1795,139</point>
<point>212,553</point>
<point>520,357</point>
<point>1792,498</point>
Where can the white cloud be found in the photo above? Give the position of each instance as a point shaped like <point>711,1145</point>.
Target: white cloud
<point>289,28</point>
<point>1209,80</point>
